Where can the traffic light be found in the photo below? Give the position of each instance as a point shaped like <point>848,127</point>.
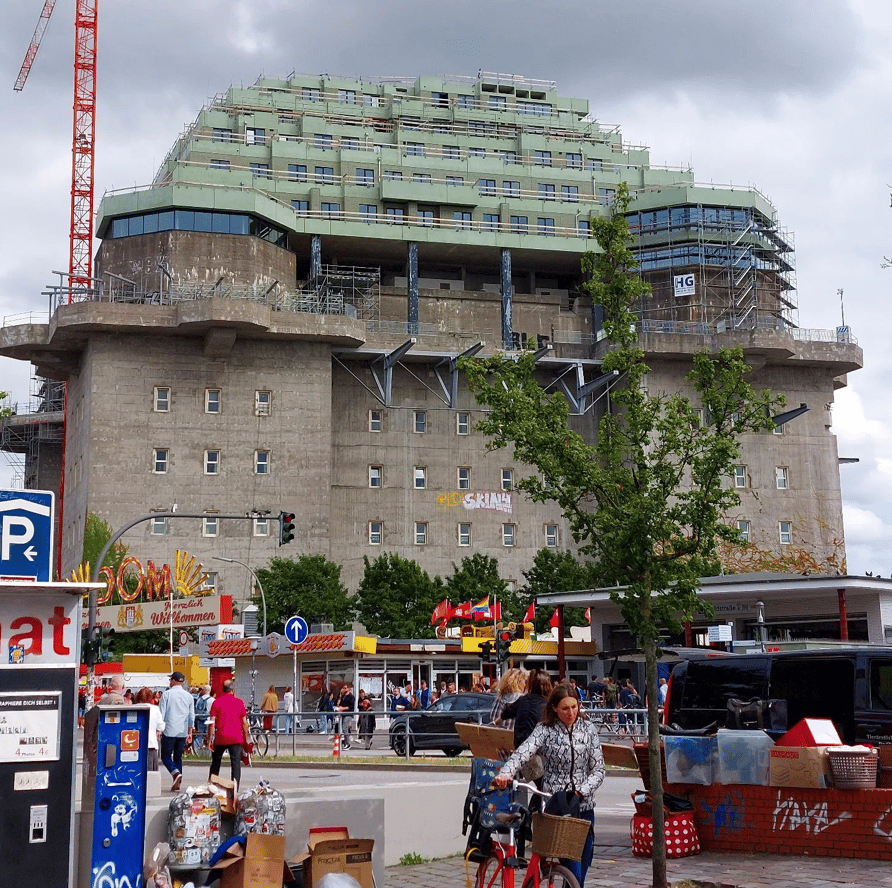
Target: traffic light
<point>504,639</point>
<point>286,527</point>
<point>104,639</point>
<point>486,651</point>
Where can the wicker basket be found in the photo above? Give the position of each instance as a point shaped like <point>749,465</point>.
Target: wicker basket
<point>853,768</point>
<point>559,836</point>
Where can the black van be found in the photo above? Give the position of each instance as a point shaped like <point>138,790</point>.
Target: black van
<point>852,686</point>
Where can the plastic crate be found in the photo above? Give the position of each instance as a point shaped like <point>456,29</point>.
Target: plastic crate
<point>559,836</point>
<point>853,768</point>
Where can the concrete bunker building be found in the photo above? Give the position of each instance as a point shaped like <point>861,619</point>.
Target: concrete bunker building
<point>276,319</point>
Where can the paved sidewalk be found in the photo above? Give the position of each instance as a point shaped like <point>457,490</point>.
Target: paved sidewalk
<point>616,868</point>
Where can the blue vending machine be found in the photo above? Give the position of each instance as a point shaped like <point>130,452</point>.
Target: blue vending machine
<point>119,803</point>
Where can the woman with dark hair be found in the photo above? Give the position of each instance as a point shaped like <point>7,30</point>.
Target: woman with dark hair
<point>571,758</point>
<point>156,726</point>
<point>527,710</point>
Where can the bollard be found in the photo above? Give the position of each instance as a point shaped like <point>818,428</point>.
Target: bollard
<point>336,745</point>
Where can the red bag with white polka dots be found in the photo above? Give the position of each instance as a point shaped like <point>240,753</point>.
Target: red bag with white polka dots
<point>681,836</point>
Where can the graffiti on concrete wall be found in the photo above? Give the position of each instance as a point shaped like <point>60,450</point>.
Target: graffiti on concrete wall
<point>792,814</point>
<point>487,500</point>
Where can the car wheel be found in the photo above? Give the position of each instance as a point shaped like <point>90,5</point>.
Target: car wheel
<point>400,741</point>
<point>452,751</point>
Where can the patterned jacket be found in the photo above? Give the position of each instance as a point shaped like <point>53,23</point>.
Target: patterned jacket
<point>571,758</point>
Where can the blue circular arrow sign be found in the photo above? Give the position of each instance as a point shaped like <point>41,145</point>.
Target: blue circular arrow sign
<point>296,630</point>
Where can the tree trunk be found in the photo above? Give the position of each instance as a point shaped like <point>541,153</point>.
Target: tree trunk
<point>653,756</point>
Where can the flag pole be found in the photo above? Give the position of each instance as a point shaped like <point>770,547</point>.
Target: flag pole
<point>495,635</point>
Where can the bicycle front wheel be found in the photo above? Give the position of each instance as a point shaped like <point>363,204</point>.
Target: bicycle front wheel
<point>555,875</point>
<point>261,743</point>
<point>489,873</point>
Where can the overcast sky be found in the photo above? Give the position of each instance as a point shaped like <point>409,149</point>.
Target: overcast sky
<point>792,97</point>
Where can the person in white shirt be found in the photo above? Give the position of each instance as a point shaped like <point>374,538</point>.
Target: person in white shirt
<point>288,700</point>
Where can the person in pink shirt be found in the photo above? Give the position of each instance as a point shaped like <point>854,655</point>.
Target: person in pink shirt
<point>227,730</point>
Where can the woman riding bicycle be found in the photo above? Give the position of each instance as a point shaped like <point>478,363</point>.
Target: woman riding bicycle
<point>571,757</point>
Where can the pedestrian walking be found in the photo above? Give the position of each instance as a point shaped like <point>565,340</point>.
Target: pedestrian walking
<point>288,702</point>
<point>366,719</point>
<point>156,726</point>
<point>228,731</point>
<point>346,706</point>
<point>268,705</point>
<point>178,712</point>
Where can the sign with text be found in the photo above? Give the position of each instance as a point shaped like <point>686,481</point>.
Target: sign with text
<point>684,285</point>
<point>29,726</point>
<point>196,610</point>
<point>722,632</point>
<point>26,535</point>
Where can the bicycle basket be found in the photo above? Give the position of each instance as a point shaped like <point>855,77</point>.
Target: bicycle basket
<point>562,837</point>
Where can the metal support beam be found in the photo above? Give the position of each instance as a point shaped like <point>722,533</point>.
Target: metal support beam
<point>450,391</point>
<point>387,363</point>
<point>315,257</point>
<point>579,396</point>
<point>783,418</point>
<point>507,297</point>
<point>412,287</point>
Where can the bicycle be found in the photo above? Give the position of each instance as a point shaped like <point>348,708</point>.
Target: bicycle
<point>257,736</point>
<point>542,869</point>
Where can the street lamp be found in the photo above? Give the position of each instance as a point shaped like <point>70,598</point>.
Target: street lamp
<point>256,580</point>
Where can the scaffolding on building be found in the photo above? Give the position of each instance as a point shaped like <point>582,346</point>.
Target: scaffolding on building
<point>344,289</point>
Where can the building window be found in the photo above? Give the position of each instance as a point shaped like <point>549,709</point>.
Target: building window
<point>421,178</point>
<point>498,103</point>
<point>464,534</point>
<point>508,156</point>
<point>420,533</point>
<point>420,422</point>
<point>159,526</point>
<point>160,460</point>
<point>347,96</point>
<point>212,400</point>
<point>507,479</point>
<point>369,212</point>
<point>349,143</point>
<point>392,175</point>
<point>212,462</point>
<point>451,151</point>
<point>324,175</point>
<point>779,429</point>
<point>545,226</point>
<point>740,476</point>
<point>261,462</point>
<point>780,477</point>
<point>255,136</point>
<point>487,186</point>
<point>785,529</point>
<point>376,533</point>
<point>301,207</point>
<point>331,210</point>
<point>375,476</point>
<point>464,478</point>
<point>490,222</point>
<point>263,401</point>
<point>440,99</point>
<point>606,196</point>
<point>260,170</point>
<point>546,191</point>
<point>463,424</point>
<point>455,180</point>
<point>426,218</point>
<point>570,193</point>
<point>476,152</point>
<point>395,215</point>
<point>210,525</point>
<point>462,219</point>
<point>365,177</point>
<point>161,399</point>
<point>415,149</point>
<point>542,158</point>
<point>463,101</point>
<point>508,534</point>
<point>583,228</point>
<point>218,164</point>
<point>376,420</point>
<point>510,188</point>
<point>551,536</point>
<point>210,581</point>
<point>743,528</point>
<point>519,224</point>
<point>261,527</point>
<point>574,160</point>
<point>310,93</point>
<point>297,172</point>
<point>222,135</point>
<point>420,477</point>
<point>324,141</point>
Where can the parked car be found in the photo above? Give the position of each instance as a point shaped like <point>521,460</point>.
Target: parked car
<point>434,727</point>
<point>851,686</point>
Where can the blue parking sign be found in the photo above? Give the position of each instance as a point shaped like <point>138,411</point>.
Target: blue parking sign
<point>26,534</point>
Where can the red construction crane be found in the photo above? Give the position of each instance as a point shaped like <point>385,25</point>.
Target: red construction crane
<point>83,141</point>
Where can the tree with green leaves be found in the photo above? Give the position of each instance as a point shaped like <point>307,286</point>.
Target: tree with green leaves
<point>648,500</point>
<point>395,598</point>
<point>555,571</point>
<point>97,532</point>
<point>477,577</point>
<point>308,586</point>
<point>4,410</point>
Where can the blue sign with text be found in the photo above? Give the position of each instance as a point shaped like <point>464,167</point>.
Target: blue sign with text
<point>26,534</point>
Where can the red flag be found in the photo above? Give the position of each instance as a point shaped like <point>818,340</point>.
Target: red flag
<point>553,620</point>
<point>488,613</point>
<point>588,615</point>
<point>530,615</point>
<point>462,611</point>
<point>441,611</point>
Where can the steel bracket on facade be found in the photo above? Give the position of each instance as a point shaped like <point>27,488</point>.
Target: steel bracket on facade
<point>382,370</point>
<point>578,395</point>
<point>450,391</point>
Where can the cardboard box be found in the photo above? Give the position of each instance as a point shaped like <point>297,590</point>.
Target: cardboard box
<point>807,767</point>
<point>618,756</point>
<point>486,741</point>
<point>261,864</point>
<point>333,851</point>
<point>811,732</point>
<point>743,757</point>
<point>224,790</point>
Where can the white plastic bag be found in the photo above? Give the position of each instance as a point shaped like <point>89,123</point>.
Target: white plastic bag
<point>338,880</point>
